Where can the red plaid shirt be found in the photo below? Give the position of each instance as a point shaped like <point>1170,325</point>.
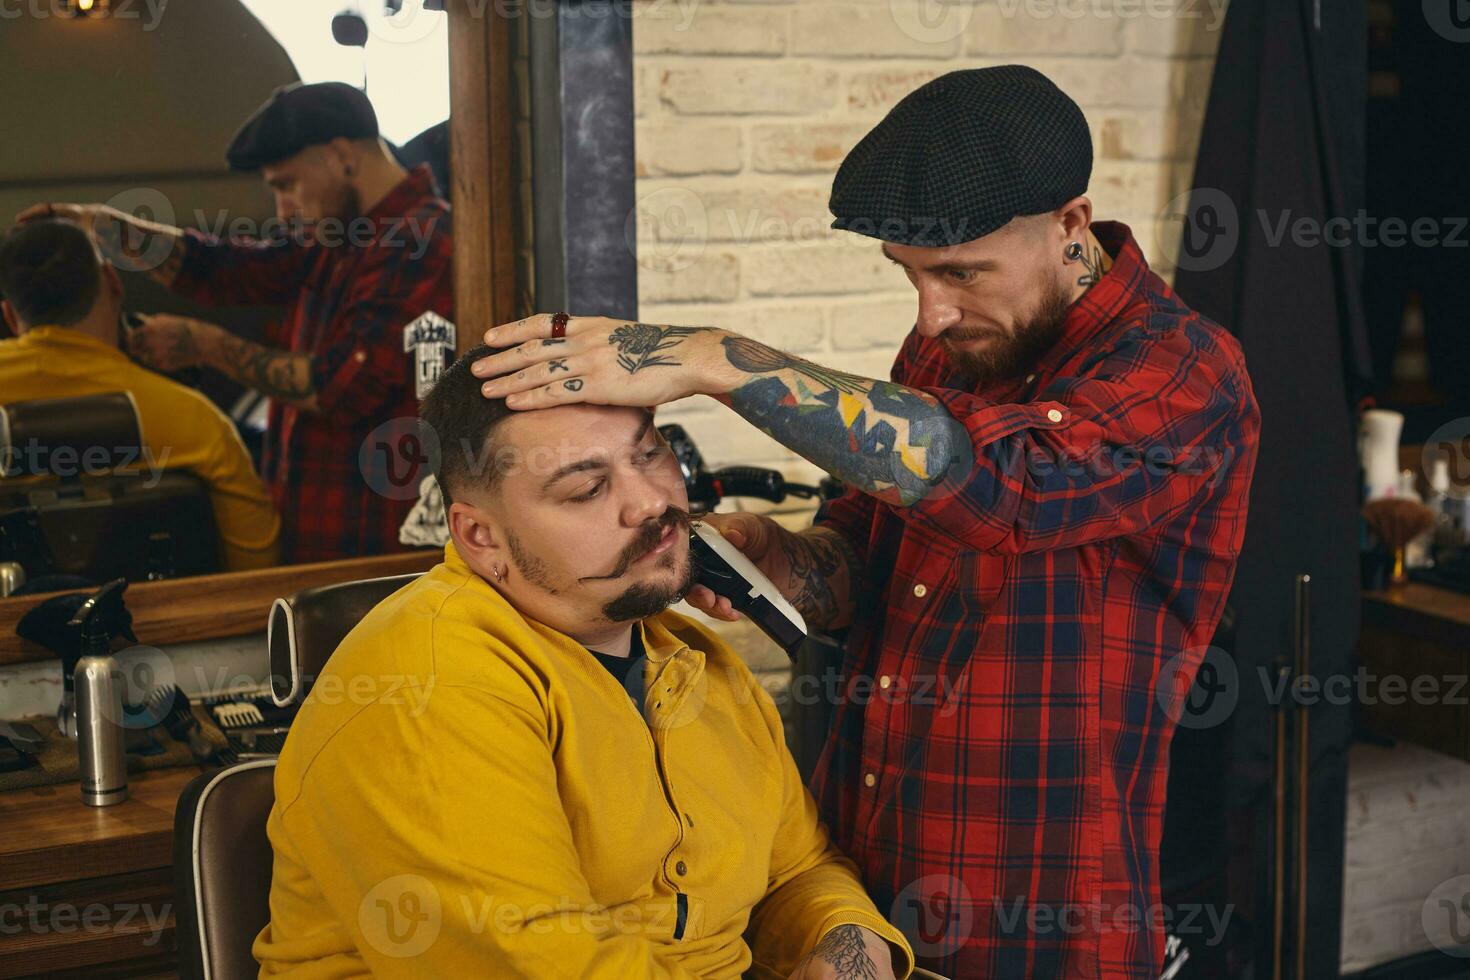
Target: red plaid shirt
<point>348,297</point>
<point>998,760</point>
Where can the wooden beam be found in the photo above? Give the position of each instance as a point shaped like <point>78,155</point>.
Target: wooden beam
<point>481,141</point>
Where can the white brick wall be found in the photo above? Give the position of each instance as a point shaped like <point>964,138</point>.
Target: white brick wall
<point>745,109</point>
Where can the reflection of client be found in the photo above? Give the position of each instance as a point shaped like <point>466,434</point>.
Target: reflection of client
<point>480,767</point>
<point>62,300</point>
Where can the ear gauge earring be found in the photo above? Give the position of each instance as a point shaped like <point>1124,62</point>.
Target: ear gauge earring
<point>1074,251</point>
<point>499,572</point>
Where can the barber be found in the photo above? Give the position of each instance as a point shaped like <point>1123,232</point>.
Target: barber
<point>362,250</point>
<point>1047,502</point>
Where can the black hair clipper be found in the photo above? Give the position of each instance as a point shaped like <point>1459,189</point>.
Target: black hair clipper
<point>720,567</point>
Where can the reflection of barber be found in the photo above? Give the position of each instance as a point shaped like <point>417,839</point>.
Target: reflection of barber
<point>1049,498</point>
<point>369,253</point>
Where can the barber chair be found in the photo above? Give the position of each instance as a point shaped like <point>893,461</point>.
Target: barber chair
<point>222,858</point>
<point>77,497</point>
<point>222,870</point>
<point>306,627</point>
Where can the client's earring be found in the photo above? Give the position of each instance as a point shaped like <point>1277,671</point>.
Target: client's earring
<point>1074,251</point>
<point>499,571</point>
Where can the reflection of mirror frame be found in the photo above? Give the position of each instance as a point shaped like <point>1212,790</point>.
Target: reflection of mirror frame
<point>482,132</point>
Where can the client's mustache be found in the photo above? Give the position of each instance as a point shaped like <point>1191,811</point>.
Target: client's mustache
<point>648,536</point>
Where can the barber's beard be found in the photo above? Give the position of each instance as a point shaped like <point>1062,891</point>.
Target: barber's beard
<point>1011,356</point>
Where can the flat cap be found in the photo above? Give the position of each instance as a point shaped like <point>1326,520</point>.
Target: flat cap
<point>961,156</point>
<point>297,116</point>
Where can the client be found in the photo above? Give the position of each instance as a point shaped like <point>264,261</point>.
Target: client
<point>522,764</point>
<point>64,302</point>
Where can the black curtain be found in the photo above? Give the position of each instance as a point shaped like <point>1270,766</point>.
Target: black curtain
<point>1282,143</point>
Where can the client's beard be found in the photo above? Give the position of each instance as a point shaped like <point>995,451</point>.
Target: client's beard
<point>1015,355</point>
<point>643,599</point>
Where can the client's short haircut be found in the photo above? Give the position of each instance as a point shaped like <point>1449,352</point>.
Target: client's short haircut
<point>49,272</point>
<point>463,419</point>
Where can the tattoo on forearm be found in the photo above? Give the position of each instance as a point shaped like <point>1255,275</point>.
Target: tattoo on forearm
<point>642,345</point>
<point>844,949</point>
<point>276,373</point>
<point>880,437</point>
<point>813,563</point>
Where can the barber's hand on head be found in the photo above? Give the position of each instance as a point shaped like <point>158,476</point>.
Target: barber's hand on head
<point>755,537</point>
<point>847,952</point>
<point>603,362</point>
<point>171,343</point>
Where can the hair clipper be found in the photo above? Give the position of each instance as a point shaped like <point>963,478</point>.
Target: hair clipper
<point>720,567</point>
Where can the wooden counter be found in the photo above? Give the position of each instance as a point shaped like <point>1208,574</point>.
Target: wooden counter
<point>88,891</point>
<point>1414,654</point>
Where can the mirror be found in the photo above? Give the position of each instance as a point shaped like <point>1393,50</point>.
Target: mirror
<point>132,104</point>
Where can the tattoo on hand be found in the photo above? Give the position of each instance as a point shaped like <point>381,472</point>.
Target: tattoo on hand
<point>553,341</point>
<point>843,948</point>
<point>573,384</point>
<point>560,364</point>
<point>641,345</point>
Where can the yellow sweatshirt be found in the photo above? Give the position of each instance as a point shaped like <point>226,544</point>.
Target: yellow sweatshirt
<point>182,429</point>
<point>468,793</point>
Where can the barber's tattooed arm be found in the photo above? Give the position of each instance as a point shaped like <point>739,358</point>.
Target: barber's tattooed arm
<point>171,343</point>
<point>883,438</point>
<point>278,374</point>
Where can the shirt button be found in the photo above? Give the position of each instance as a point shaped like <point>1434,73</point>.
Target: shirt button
<point>921,590</point>
<point>1030,378</point>
<point>885,682</point>
<point>360,356</point>
<point>870,780</point>
<point>681,869</point>
<point>1055,415</point>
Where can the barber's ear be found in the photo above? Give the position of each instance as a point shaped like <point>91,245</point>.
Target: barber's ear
<point>1075,217</point>
<point>344,153</point>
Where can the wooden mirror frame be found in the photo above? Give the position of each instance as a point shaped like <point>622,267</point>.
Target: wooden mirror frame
<point>482,136</point>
